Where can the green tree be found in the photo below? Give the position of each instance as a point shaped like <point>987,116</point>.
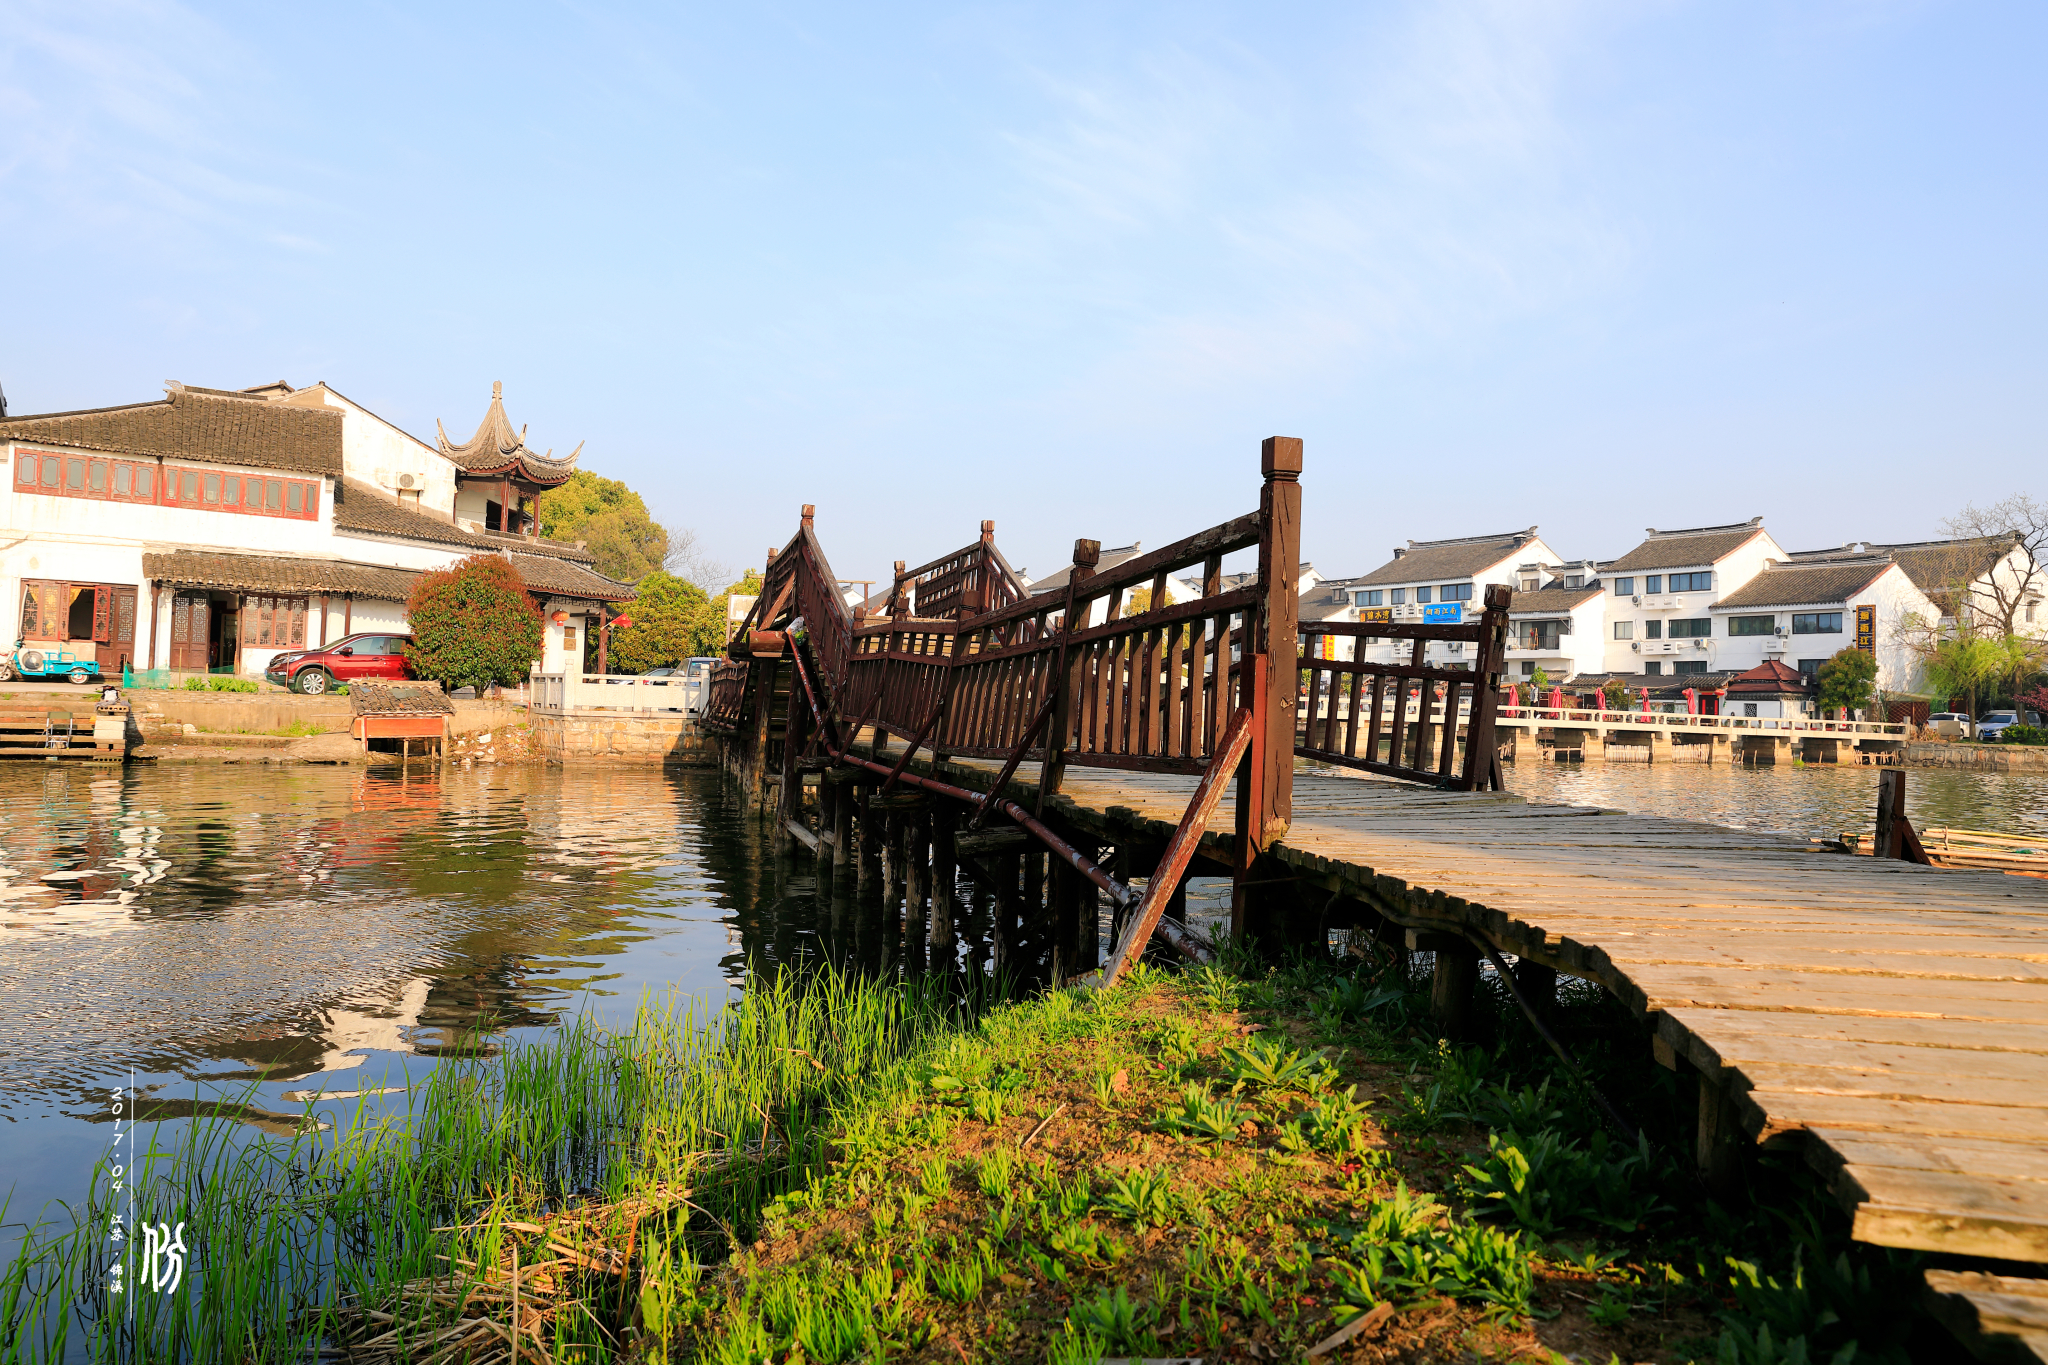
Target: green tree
<point>1959,662</point>
<point>473,624</point>
<point>612,521</point>
<point>668,622</point>
<point>1615,693</point>
<point>1845,679</point>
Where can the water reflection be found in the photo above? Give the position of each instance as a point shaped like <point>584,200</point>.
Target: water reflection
<point>212,927</point>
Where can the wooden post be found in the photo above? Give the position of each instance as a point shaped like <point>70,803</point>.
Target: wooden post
<point>1891,805</point>
<point>1537,984</point>
<point>1005,867</point>
<point>757,755</point>
<point>604,640</point>
<point>1719,1143</point>
<point>348,613</point>
<point>1268,671</point>
<point>892,858</point>
<point>868,874</point>
<point>828,810</point>
<point>1278,639</point>
<point>1065,677</point>
<point>842,826</point>
<point>789,800</point>
<point>153,591</point>
<point>1482,749</point>
<point>945,872</point>
<point>1450,990</point>
<point>1037,917</point>
<point>918,885</point>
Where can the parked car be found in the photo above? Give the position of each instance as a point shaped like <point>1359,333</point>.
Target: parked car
<point>367,657</point>
<point>1996,723</point>
<point>46,661</point>
<point>664,672</point>
<point>1953,724</point>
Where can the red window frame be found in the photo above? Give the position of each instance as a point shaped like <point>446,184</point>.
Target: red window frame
<point>108,478</point>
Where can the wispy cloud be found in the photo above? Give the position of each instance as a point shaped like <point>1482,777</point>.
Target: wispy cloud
<point>128,119</point>
<point>1420,189</point>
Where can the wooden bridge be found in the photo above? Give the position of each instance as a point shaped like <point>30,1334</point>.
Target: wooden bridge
<point>1888,1018</point>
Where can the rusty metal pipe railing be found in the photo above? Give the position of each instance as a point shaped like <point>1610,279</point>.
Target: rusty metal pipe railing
<point>1117,891</point>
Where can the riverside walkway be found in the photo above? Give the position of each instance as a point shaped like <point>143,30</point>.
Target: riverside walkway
<point>1161,720</point>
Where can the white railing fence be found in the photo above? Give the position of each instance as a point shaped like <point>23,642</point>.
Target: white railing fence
<point>610,692</point>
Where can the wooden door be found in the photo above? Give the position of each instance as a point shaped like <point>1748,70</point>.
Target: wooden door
<point>190,613</point>
<point>114,642</point>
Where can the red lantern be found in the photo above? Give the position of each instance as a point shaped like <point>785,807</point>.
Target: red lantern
<point>561,618</point>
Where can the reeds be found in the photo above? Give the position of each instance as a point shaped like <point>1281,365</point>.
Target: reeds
<point>562,1195</point>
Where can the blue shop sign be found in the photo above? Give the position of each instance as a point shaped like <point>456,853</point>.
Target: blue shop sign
<point>1444,613</point>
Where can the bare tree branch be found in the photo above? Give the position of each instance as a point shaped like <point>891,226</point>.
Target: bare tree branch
<point>687,559</point>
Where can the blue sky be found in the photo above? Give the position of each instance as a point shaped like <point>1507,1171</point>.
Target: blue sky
<point>1590,266</point>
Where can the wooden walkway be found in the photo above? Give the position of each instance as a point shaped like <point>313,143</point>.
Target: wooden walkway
<point>1893,1018</point>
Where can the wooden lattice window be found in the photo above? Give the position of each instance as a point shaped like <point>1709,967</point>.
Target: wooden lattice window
<point>273,622</point>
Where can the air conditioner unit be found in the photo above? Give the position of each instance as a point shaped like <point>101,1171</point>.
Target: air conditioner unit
<point>1637,600</point>
<point>1699,644</point>
<point>1637,646</point>
<point>1781,632</point>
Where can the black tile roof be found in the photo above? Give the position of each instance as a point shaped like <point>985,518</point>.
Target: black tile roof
<point>189,424</point>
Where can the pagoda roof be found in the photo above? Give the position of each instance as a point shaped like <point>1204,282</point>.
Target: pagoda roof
<point>498,449</point>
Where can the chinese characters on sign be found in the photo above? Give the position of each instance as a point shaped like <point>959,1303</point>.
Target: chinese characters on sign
<point>1445,613</point>
<point>1866,629</point>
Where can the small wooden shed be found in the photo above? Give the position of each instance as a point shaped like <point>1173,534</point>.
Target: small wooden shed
<point>402,711</point>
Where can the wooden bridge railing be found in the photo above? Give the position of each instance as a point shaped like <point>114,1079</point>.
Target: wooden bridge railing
<point>1070,676</point>
<point>1358,710</point>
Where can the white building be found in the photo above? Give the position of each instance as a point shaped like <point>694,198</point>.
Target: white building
<point>210,529</point>
<point>1800,611</point>
<point>1661,597</point>
<point>1556,628</point>
<point>1440,581</point>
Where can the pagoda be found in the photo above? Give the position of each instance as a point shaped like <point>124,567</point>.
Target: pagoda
<point>498,462</point>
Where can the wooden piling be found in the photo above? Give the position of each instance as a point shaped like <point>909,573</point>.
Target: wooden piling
<point>1451,987</point>
<point>945,875</point>
<point>917,885</point>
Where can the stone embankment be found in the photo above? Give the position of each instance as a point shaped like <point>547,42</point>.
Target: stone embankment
<point>1982,758</point>
<point>665,737</point>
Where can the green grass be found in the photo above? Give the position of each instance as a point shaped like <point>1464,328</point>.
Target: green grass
<point>1236,1162</point>
<point>652,1150</point>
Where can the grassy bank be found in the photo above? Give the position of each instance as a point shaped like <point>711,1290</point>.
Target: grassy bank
<point>1239,1163</point>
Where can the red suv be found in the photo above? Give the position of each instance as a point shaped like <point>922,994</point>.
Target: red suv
<point>314,671</point>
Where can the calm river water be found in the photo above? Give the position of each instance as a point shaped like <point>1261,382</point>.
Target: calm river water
<point>210,928</point>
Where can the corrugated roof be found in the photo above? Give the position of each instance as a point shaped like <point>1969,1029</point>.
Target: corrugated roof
<point>1800,583</point>
<point>543,575</point>
<point>363,507</point>
<point>225,571</point>
<point>1550,599</point>
<point>1701,546</point>
<point>187,424</point>
<point>1430,561</point>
